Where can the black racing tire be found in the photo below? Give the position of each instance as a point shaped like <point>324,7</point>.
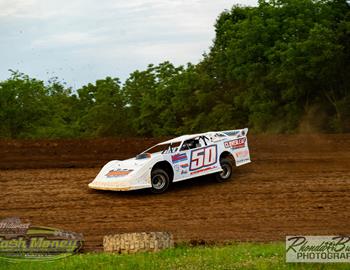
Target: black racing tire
<point>227,169</point>
<point>160,181</point>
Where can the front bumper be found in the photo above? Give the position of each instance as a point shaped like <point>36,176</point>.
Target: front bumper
<point>120,186</point>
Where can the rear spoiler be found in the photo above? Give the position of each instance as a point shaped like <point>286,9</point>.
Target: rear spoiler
<point>236,132</point>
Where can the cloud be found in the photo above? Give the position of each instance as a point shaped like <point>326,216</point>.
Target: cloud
<point>32,9</point>
<point>11,8</point>
<point>82,40</point>
<point>66,39</point>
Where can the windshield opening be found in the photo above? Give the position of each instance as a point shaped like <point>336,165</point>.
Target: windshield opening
<point>164,148</point>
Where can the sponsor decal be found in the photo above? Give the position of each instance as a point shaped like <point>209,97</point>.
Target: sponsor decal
<point>242,154</point>
<point>204,170</point>
<point>23,241</point>
<point>203,157</point>
<point>177,168</point>
<point>232,132</point>
<point>178,158</point>
<point>246,160</point>
<point>318,249</point>
<point>235,144</point>
<point>184,166</point>
<point>184,172</point>
<point>118,173</point>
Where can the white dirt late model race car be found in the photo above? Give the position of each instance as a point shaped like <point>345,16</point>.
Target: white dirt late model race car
<point>175,160</point>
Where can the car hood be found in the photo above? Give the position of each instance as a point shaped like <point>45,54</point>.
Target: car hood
<point>121,168</point>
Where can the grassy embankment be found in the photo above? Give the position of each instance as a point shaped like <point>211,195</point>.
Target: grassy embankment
<point>235,256</point>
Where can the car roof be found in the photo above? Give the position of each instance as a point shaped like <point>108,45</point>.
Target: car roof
<point>183,138</point>
<point>226,133</point>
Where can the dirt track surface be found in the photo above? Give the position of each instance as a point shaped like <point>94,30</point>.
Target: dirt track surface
<point>295,185</point>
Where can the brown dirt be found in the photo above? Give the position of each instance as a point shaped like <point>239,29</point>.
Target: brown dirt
<point>296,184</point>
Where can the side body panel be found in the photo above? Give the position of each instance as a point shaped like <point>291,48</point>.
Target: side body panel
<point>196,162</point>
<point>206,159</point>
<point>238,147</point>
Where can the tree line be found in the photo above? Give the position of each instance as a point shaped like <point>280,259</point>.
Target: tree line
<point>280,67</point>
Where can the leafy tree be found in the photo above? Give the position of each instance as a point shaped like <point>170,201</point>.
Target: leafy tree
<point>282,66</point>
<point>102,109</point>
<point>23,103</point>
<point>149,94</point>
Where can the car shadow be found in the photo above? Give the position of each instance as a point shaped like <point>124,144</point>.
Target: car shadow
<point>201,181</point>
<point>206,180</point>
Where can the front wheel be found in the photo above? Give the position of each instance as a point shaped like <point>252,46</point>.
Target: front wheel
<point>160,181</point>
<point>227,168</point>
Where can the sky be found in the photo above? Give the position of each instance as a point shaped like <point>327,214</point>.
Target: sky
<point>80,41</point>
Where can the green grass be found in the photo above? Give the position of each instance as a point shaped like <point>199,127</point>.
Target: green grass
<point>235,256</point>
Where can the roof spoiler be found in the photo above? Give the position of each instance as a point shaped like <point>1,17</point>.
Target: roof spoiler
<point>236,132</point>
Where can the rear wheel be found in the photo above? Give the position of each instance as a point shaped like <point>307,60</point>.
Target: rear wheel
<point>160,181</point>
<point>227,168</point>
